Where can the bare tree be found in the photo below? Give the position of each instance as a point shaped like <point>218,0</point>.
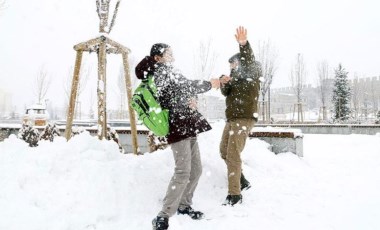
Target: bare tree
<point>374,97</point>
<point>323,86</point>
<point>204,60</point>
<point>121,93</point>
<point>84,76</point>
<point>267,55</point>
<point>356,95</point>
<point>204,64</point>
<point>42,84</point>
<point>297,77</point>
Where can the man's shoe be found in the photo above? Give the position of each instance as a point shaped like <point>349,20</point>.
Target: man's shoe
<point>188,210</point>
<point>244,183</point>
<point>233,199</point>
<point>227,201</point>
<point>160,223</point>
<point>236,199</point>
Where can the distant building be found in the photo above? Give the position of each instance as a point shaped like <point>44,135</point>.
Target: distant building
<point>365,98</point>
<point>5,103</point>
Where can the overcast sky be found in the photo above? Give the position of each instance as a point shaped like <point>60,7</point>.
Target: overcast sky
<point>42,33</point>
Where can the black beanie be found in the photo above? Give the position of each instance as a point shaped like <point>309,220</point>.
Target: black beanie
<point>235,57</point>
<point>158,49</point>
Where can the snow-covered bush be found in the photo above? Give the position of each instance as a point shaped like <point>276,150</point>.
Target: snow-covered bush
<point>76,131</point>
<point>112,135</point>
<point>50,132</point>
<point>156,142</point>
<point>29,134</point>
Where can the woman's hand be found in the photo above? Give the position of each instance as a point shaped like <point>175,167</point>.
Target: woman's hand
<point>215,83</point>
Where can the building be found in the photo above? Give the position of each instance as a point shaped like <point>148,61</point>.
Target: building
<point>5,104</point>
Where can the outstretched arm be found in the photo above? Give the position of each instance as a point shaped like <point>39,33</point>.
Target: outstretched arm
<point>247,56</point>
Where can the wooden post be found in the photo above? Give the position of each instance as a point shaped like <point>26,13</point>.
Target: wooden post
<point>102,116</point>
<point>132,117</point>
<point>73,95</point>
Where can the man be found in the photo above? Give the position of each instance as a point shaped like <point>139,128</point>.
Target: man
<point>241,89</point>
<point>177,94</point>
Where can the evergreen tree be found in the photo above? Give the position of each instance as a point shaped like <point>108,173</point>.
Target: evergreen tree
<point>341,95</point>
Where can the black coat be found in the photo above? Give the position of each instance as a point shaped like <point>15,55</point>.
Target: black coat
<point>174,92</point>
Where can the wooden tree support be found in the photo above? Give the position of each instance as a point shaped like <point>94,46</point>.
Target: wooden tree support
<point>103,46</point>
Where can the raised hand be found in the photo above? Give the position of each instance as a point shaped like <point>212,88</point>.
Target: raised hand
<point>241,35</point>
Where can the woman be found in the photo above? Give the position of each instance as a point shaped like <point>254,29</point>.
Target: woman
<point>178,94</point>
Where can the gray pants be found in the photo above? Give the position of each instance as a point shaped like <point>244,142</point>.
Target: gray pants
<point>188,169</point>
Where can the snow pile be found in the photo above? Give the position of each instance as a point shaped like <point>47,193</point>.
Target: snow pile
<point>87,184</point>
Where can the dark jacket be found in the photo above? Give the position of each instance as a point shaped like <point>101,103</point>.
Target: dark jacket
<point>242,91</point>
<point>174,92</point>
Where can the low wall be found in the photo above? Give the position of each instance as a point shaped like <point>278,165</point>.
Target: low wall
<point>126,142</point>
<point>329,128</point>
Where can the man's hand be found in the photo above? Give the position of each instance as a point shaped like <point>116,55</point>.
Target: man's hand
<point>224,79</point>
<point>241,35</point>
<point>215,83</point>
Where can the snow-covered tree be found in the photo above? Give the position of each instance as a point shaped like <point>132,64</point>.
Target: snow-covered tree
<point>341,95</point>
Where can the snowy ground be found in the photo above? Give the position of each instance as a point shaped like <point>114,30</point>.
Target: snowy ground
<point>88,184</point>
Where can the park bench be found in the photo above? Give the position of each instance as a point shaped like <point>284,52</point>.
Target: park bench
<point>280,139</point>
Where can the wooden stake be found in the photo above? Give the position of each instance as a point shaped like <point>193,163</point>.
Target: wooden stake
<point>132,117</point>
<point>102,116</point>
<point>73,95</point>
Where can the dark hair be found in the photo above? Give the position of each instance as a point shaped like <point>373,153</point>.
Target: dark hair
<point>158,49</point>
<point>145,68</point>
<point>234,58</point>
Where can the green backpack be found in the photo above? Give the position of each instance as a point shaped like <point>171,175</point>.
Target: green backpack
<point>149,111</point>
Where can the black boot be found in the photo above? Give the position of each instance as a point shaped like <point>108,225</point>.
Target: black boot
<point>233,199</point>
<point>244,183</point>
<point>160,223</point>
<point>188,210</point>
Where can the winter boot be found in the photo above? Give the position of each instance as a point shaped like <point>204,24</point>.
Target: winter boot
<point>244,184</point>
<point>233,199</point>
<point>160,223</point>
<point>188,210</point>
